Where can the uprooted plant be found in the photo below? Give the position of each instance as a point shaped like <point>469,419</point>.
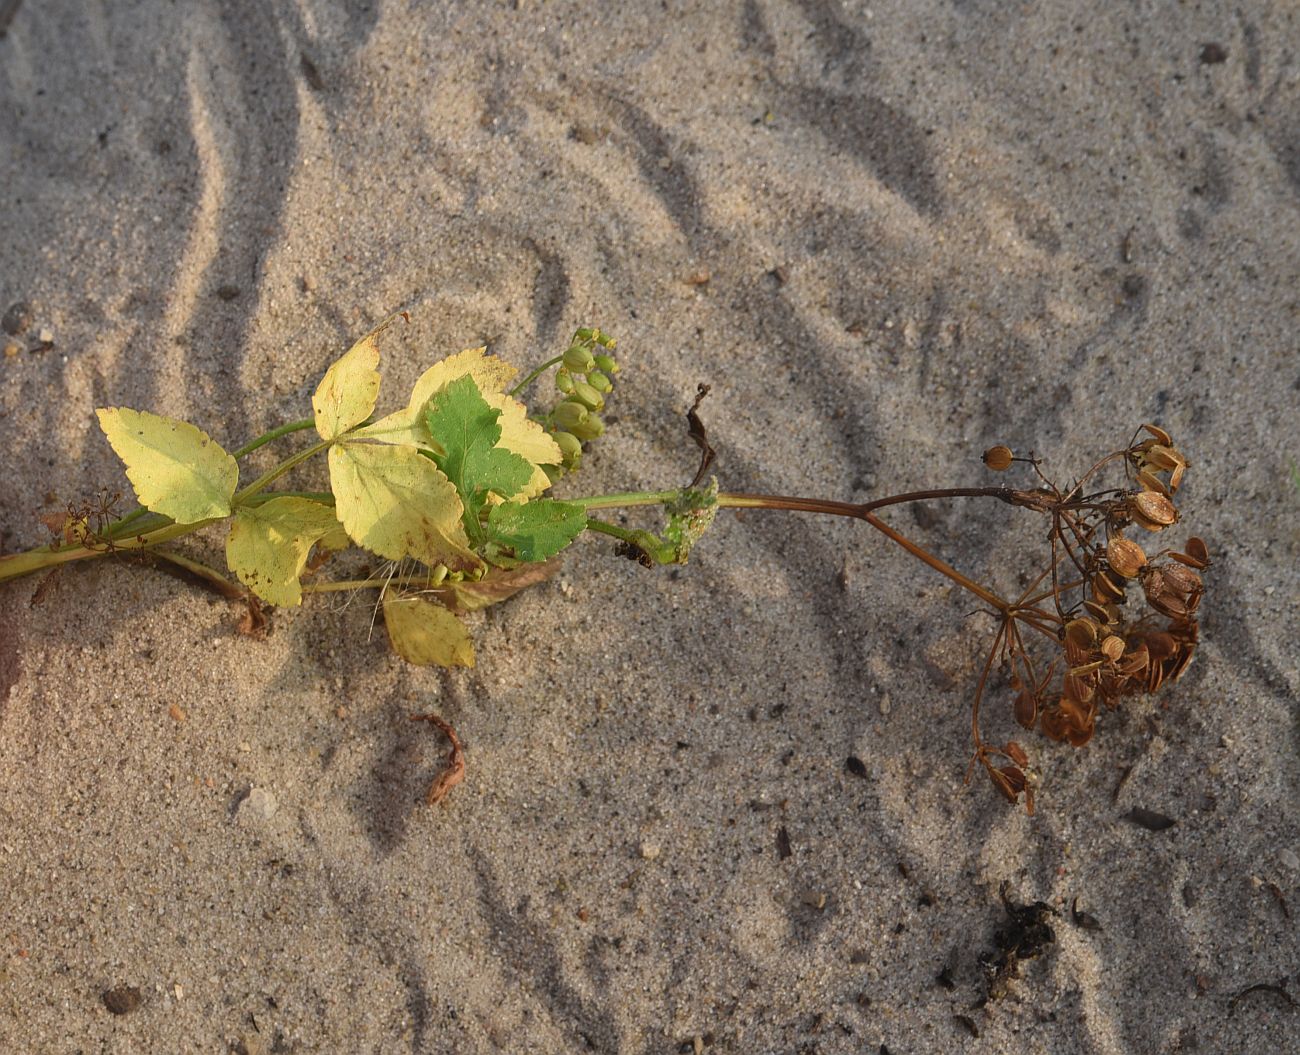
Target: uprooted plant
<point>451,492</point>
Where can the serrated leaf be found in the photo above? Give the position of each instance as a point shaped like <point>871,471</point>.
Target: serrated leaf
<point>526,438</point>
<point>499,584</point>
<point>535,531</point>
<point>347,393</point>
<point>408,425</point>
<point>269,543</point>
<point>465,427</point>
<point>176,469</point>
<point>426,634</point>
<point>395,502</point>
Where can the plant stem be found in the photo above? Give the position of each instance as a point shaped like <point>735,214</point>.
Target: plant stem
<point>274,434</point>
<point>266,479</point>
<point>535,375</point>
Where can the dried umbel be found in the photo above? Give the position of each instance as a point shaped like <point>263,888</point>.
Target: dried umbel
<point>1104,619</point>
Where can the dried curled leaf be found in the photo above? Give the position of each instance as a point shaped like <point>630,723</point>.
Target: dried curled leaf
<point>176,469</point>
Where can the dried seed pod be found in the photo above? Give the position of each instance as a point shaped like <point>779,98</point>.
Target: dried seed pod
<point>1098,612</point>
<point>1081,633</point>
<point>998,458</point>
<point>1125,557</point>
<point>1113,648</point>
<point>1016,753</point>
<point>1008,785</point>
<point>1176,478</point>
<point>1175,668</point>
<point>1151,482</point>
<point>1160,434</point>
<point>1077,689</point>
<point>1162,459</point>
<point>1160,646</point>
<point>1152,510</point>
<point>1025,708</point>
<point>1106,591</point>
<point>1182,579</point>
<point>1194,555</point>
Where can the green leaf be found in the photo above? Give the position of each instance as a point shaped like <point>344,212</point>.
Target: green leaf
<point>535,531</point>
<point>525,437</point>
<point>269,543</point>
<point>176,469</point>
<point>347,393</point>
<point>426,634</point>
<point>462,423</point>
<point>395,502</point>
<point>408,425</point>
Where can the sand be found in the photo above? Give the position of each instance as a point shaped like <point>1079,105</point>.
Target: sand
<point>887,236</point>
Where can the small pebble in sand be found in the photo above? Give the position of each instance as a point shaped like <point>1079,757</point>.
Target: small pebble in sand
<point>650,851</point>
<point>46,336</point>
<point>11,350</point>
<point>122,999</point>
<point>1289,858</point>
<point>17,319</point>
<point>259,805</point>
<point>885,704</point>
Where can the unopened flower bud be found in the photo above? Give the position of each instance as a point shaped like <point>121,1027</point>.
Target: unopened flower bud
<point>568,415</point>
<point>578,359</point>
<point>587,396</point>
<point>569,444</point>
<point>590,428</point>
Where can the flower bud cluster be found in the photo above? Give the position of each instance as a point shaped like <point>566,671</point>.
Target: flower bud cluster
<point>584,379</point>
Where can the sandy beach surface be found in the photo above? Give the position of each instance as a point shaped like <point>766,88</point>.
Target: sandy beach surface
<point>888,235</point>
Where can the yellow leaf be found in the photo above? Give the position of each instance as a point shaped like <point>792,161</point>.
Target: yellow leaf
<point>176,469</point>
<point>407,426</point>
<point>426,634</point>
<point>268,545</point>
<point>526,438</point>
<point>347,393</point>
<point>395,502</point>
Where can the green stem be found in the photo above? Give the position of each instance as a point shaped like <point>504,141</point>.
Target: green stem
<point>649,544</point>
<point>266,479</point>
<point>536,374</point>
<point>274,434</point>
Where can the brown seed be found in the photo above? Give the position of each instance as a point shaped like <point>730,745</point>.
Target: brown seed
<point>1016,753</point>
<point>1160,434</point>
<point>1125,557</point>
<point>1152,510</point>
<point>1176,478</point>
<point>1112,648</point>
<point>998,458</point>
<point>1194,555</point>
